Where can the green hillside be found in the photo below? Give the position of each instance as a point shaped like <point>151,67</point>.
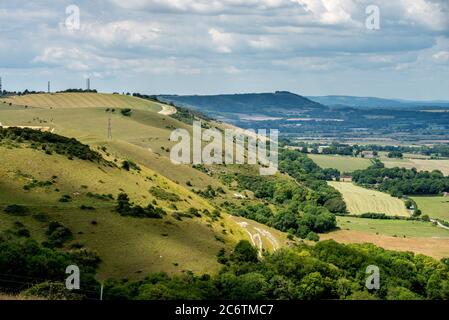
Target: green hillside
<point>82,100</point>
<point>172,244</point>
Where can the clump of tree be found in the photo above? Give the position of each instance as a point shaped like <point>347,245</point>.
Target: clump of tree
<point>127,112</point>
<point>57,234</point>
<point>395,154</point>
<point>297,218</point>
<point>325,271</point>
<point>104,197</point>
<point>78,90</point>
<point>164,195</point>
<point>209,192</point>
<point>16,210</point>
<point>24,263</point>
<point>400,181</point>
<point>37,184</point>
<point>50,142</point>
<point>130,165</point>
<point>126,208</point>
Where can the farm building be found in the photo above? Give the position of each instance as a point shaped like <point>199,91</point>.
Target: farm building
<point>368,154</point>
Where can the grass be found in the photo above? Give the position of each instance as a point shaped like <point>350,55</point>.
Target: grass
<point>399,228</point>
<point>140,137</point>
<point>401,235</point>
<point>149,245</point>
<point>360,200</point>
<point>341,163</point>
<point>434,207</point>
<point>83,100</point>
<point>129,247</point>
<point>437,248</point>
<point>132,248</point>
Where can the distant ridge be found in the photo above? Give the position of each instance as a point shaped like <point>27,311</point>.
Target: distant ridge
<point>374,102</point>
<point>247,102</point>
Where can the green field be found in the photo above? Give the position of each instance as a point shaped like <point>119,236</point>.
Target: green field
<point>400,235</point>
<point>434,207</point>
<point>360,200</point>
<point>399,228</point>
<point>341,163</point>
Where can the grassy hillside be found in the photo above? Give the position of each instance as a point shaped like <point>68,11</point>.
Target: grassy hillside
<point>360,200</point>
<point>132,247</point>
<point>142,136</point>
<point>82,100</point>
<point>149,245</point>
<point>129,247</point>
<point>341,163</point>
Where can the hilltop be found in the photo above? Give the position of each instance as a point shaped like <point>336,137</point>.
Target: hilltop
<point>248,103</point>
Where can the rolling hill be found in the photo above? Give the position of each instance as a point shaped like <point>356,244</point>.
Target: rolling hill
<point>248,102</point>
<point>331,118</point>
<point>373,102</point>
<point>40,180</point>
<point>180,219</point>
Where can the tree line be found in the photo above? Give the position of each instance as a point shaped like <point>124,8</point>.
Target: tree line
<point>400,181</point>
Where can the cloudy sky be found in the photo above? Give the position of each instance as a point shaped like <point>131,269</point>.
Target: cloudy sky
<point>311,47</point>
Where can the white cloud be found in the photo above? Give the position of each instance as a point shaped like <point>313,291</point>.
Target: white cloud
<point>233,37</point>
<point>442,56</point>
<point>222,41</point>
<point>427,13</point>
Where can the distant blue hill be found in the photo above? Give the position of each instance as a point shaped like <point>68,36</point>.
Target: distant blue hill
<point>245,103</point>
<point>373,102</point>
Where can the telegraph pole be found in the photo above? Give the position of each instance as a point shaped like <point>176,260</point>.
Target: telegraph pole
<point>109,129</point>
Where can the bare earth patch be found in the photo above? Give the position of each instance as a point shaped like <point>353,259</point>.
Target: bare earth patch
<point>433,247</point>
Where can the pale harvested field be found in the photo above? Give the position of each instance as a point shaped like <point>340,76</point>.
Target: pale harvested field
<point>419,164</point>
<point>83,100</point>
<point>433,247</point>
<point>341,163</point>
<point>360,200</point>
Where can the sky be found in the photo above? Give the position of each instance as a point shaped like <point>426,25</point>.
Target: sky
<point>396,49</point>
